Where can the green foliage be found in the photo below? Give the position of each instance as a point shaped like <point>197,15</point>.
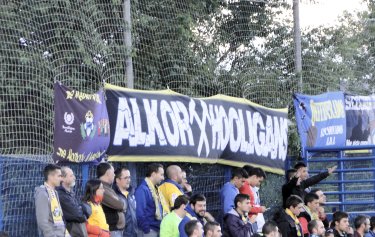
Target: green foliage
<point>199,48</point>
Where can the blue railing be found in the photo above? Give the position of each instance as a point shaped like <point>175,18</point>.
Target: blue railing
<point>352,188</point>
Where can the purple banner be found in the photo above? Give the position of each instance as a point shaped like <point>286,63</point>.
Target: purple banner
<point>81,126</point>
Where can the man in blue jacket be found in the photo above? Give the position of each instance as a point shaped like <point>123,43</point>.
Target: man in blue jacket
<point>231,189</point>
<point>195,210</point>
<point>149,209</point>
<point>236,221</point>
<point>126,193</point>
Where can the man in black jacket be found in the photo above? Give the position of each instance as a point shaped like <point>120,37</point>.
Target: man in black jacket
<point>300,183</point>
<point>340,225</point>
<point>74,213</point>
<point>287,220</point>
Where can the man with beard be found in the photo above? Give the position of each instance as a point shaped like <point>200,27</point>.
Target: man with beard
<point>316,228</point>
<point>361,225</point>
<point>195,210</point>
<point>73,210</point>
<point>171,188</point>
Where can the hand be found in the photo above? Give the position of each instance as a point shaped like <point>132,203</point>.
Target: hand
<point>187,187</point>
<point>298,173</point>
<point>253,219</point>
<point>263,209</point>
<point>208,216</point>
<point>332,169</point>
<point>350,230</point>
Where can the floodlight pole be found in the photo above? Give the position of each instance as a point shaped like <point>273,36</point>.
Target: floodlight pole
<point>297,44</point>
<point>128,44</point>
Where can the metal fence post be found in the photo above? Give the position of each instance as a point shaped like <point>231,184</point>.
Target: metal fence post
<point>341,178</point>
<point>85,174</point>
<point>1,196</point>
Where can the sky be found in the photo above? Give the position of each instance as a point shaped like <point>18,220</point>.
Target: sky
<point>326,12</point>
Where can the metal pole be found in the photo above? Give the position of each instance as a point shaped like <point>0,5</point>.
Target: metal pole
<point>297,44</point>
<point>128,44</point>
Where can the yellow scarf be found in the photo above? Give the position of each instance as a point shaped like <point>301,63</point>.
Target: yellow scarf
<point>56,211</point>
<point>158,197</point>
<point>296,221</point>
<point>313,215</point>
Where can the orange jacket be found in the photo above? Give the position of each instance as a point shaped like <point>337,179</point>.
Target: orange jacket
<point>95,231</point>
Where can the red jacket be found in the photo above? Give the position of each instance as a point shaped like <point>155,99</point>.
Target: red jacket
<point>246,189</point>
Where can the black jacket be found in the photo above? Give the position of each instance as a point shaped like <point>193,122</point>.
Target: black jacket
<point>75,214</point>
<point>70,206</point>
<point>286,224</point>
<point>291,187</point>
<point>337,234</point>
<point>234,226</point>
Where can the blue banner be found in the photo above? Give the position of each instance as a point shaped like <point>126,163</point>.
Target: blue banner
<point>321,119</point>
<point>81,125</point>
<point>360,120</point>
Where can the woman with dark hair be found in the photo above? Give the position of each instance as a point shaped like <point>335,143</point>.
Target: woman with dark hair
<point>96,224</point>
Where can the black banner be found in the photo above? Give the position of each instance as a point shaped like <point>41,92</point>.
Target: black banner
<point>167,126</point>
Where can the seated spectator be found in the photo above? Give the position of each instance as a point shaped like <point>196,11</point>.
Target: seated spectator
<point>169,224</point>
<point>49,215</point>
<point>287,220</point>
<point>212,229</point>
<point>371,232</point>
<point>316,228</point>
<point>96,224</point>
<point>270,229</point>
<point>74,215</point>
<point>255,177</point>
<point>171,188</point>
<point>300,184</point>
<point>231,189</point>
<point>361,225</point>
<point>193,229</point>
<point>113,207</point>
<point>340,225</point>
<point>310,212</point>
<point>195,210</point>
<point>236,221</point>
<point>321,212</point>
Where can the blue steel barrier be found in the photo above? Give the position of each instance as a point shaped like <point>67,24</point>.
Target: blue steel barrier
<point>318,160</point>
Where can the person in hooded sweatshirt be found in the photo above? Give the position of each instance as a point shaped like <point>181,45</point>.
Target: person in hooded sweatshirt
<point>49,215</point>
<point>236,221</point>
